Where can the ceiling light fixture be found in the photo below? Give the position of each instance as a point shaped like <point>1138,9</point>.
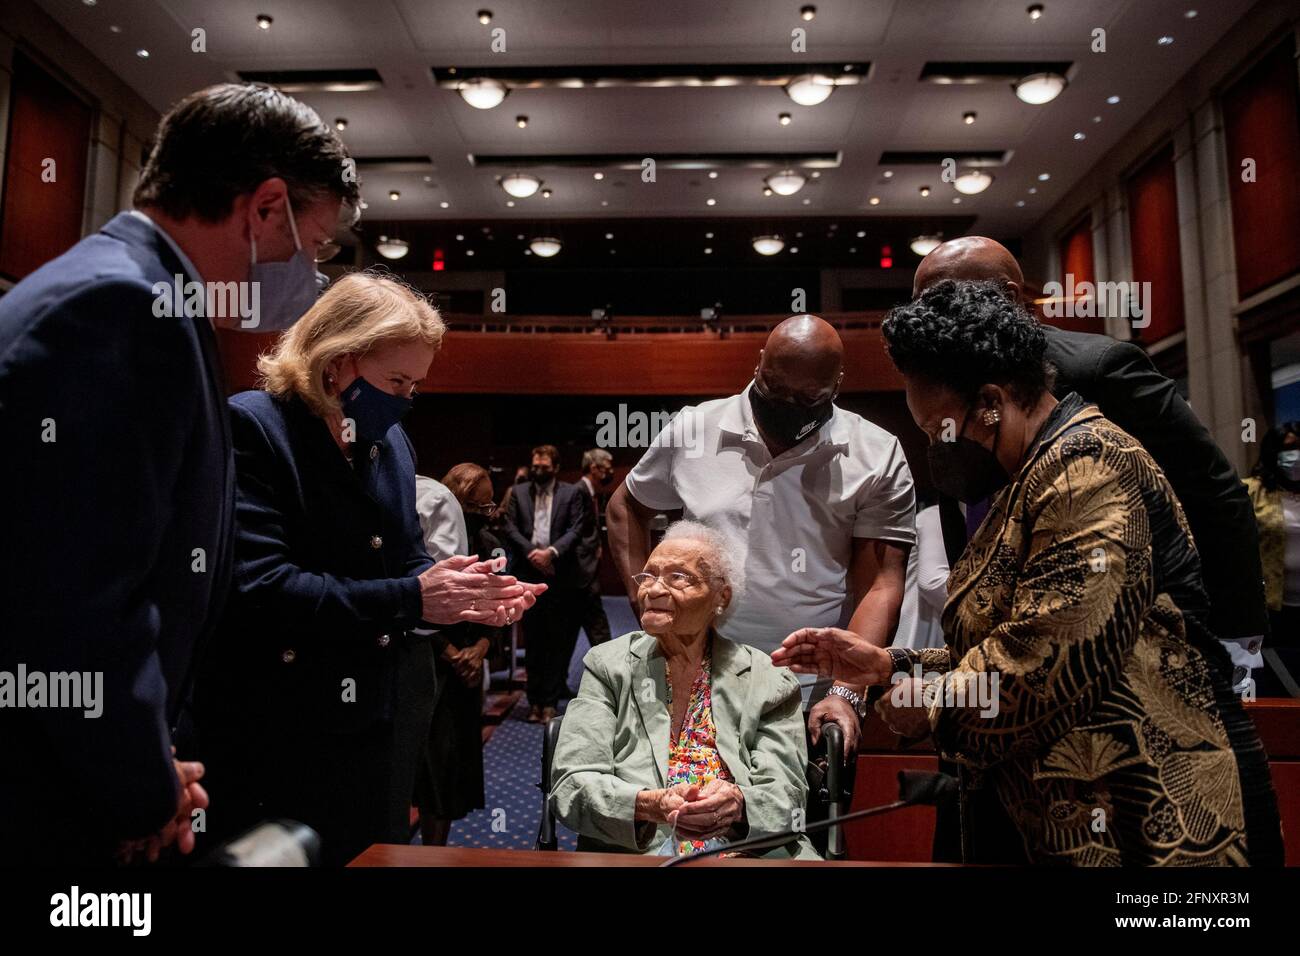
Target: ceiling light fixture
<point>1035,11</point>
<point>546,246</point>
<point>768,245</point>
<point>264,22</point>
<point>482,93</point>
<point>973,182</point>
<point>597,176</point>
<point>1039,88</point>
<point>1112,99</point>
<point>807,12</point>
<point>546,194</point>
<point>394,195</point>
<point>874,200</point>
<point>925,190</point>
<point>392,248</point>
<point>924,245</point>
<point>341,124</point>
<point>785,183</point>
<point>521,121</point>
<point>520,185</point>
<point>968,117</point>
<point>810,89</point>
<point>485,17</point>
<point>783,119</point>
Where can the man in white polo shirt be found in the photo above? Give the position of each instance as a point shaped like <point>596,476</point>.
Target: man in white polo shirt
<point>818,502</point>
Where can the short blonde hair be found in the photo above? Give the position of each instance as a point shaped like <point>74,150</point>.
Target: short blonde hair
<point>355,314</point>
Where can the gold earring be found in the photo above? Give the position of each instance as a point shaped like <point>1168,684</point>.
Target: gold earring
<point>991,416</point>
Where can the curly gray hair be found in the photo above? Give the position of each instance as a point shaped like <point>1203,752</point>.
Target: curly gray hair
<point>716,556</point>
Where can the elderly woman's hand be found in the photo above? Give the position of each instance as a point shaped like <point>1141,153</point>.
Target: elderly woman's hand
<point>463,588</point>
<point>719,806</point>
<point>835,653</point>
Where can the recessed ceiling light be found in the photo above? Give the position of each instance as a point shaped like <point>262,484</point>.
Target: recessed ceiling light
<point>798,235</point>
<point>394,195</point>
<point>609,235</point>
<point>1035,11</point>
<point>510,203</point>
<point>862,234</point>
<point>807,12</point>
<point>973,182</point>
<point>1020,202</point>
<point>460,237</point>
<point>1165,40</point>
<point>924,245</point>
<point>444,204</point>
<point>810,89</point>
<point>783,119</point>
<point>816,174</point>
<point>1112,100</point>
<point>785,183</point>
<point>114,28</point>
<point>1044,177</point>
<point>1080,135</point>
<point>1039,88</point>
<point>546,194</point>
<point>604,202</point>
<point>597,176</point>
<point>794,250</point>
<point>710,202</point>
<point>469,252</point>
<point>482,93</point>
<point>956,200</point>
<point>925,190</point>
<point>142,53</point>
<point>713,174</point>
<point>1190,14</point>
<point>520,237</point>
<point>708,235</point>
<point>767,190</point>
<point>1032,190</point>
<point>852,249</point>
<point>889,174</point>
<point>968,117</point>
<point>708,251</point>
<point>546,246</point>
<point>264,21</point>
<point>485,17</point>
<point>89,3</point>
<point>392,248</point>
<point>807,202</point>
<point>341,123</point>
<point>1096,119</point>
<point>521,121</point>
<point>768,245</point>
<point>874,200</point>
<point>520,185</point>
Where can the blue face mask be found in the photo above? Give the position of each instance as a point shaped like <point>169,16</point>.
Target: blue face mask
<point>372,410</point>
<point>285,290</point>
<point>1288,463</point>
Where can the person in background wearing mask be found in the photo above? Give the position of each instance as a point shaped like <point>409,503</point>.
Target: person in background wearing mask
<point>544,523</point>
<point>119,508</point>
<point>816,501</point>
<point>597,476</point>
<point>314,701</point>
<point>1274,489</point>
<point>1079,673</point>
<point>449,782</point>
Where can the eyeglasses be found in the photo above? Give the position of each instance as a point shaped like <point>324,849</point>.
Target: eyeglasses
<point>480,508</point>
<point>677,580</point>
<point>325,251</point>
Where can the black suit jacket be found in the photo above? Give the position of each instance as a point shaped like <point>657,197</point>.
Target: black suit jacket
<point>570,515</point>
<point>588,551</point>
<point>117,496</point>
<point>1120,379</point>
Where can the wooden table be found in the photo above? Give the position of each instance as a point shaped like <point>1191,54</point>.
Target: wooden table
<point>396,855</point>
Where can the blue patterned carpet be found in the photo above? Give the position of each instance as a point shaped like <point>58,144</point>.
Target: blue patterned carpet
<point>512,767</point>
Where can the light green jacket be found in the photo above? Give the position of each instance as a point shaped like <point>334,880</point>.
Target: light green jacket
<point>614,743</point>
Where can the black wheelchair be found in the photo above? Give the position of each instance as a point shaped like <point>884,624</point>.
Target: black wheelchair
<point>827,794</point>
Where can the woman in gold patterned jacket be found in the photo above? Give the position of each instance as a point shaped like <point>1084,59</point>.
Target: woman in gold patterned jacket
<point>1079,692</point>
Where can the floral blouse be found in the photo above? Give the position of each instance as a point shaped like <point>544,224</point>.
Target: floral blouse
<point>693,757</point>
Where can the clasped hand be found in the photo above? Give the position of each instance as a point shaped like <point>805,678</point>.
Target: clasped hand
<point>463,588</point>
<point>701,812</point>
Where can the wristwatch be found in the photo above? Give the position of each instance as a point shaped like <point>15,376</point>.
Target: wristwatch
<point>854,699</point>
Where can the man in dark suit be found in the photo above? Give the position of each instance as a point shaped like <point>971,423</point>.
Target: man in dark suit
<point>597,473</point>
<point>118,496</point>
<point>545,522</point>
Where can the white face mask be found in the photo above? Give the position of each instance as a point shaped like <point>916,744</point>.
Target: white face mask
<point>1288,464</point>
<point>284,290</point>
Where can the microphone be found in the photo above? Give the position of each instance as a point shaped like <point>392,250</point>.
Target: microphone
<point>915,788</point>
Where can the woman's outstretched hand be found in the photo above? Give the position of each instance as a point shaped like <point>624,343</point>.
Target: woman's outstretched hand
<point>834,653</point>
<point>463,588</point>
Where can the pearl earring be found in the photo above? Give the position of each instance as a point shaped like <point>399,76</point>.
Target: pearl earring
<point>719,611</point>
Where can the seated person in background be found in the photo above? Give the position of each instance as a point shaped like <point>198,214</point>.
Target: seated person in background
<point>1274,489</point>
<point>679,737</point>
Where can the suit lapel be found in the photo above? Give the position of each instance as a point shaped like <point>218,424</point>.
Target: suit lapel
<point>650,691</point>
<point>730,692</point>
<point>555,507</point>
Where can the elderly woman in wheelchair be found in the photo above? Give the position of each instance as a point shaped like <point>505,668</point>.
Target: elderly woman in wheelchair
<point>680,740</point>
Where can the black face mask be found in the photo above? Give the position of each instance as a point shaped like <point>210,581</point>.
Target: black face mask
<point>474,525</point>
<point>964,469</point>
<point>606,479</point>
<point>785,422</point>
<point>541,475</point>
